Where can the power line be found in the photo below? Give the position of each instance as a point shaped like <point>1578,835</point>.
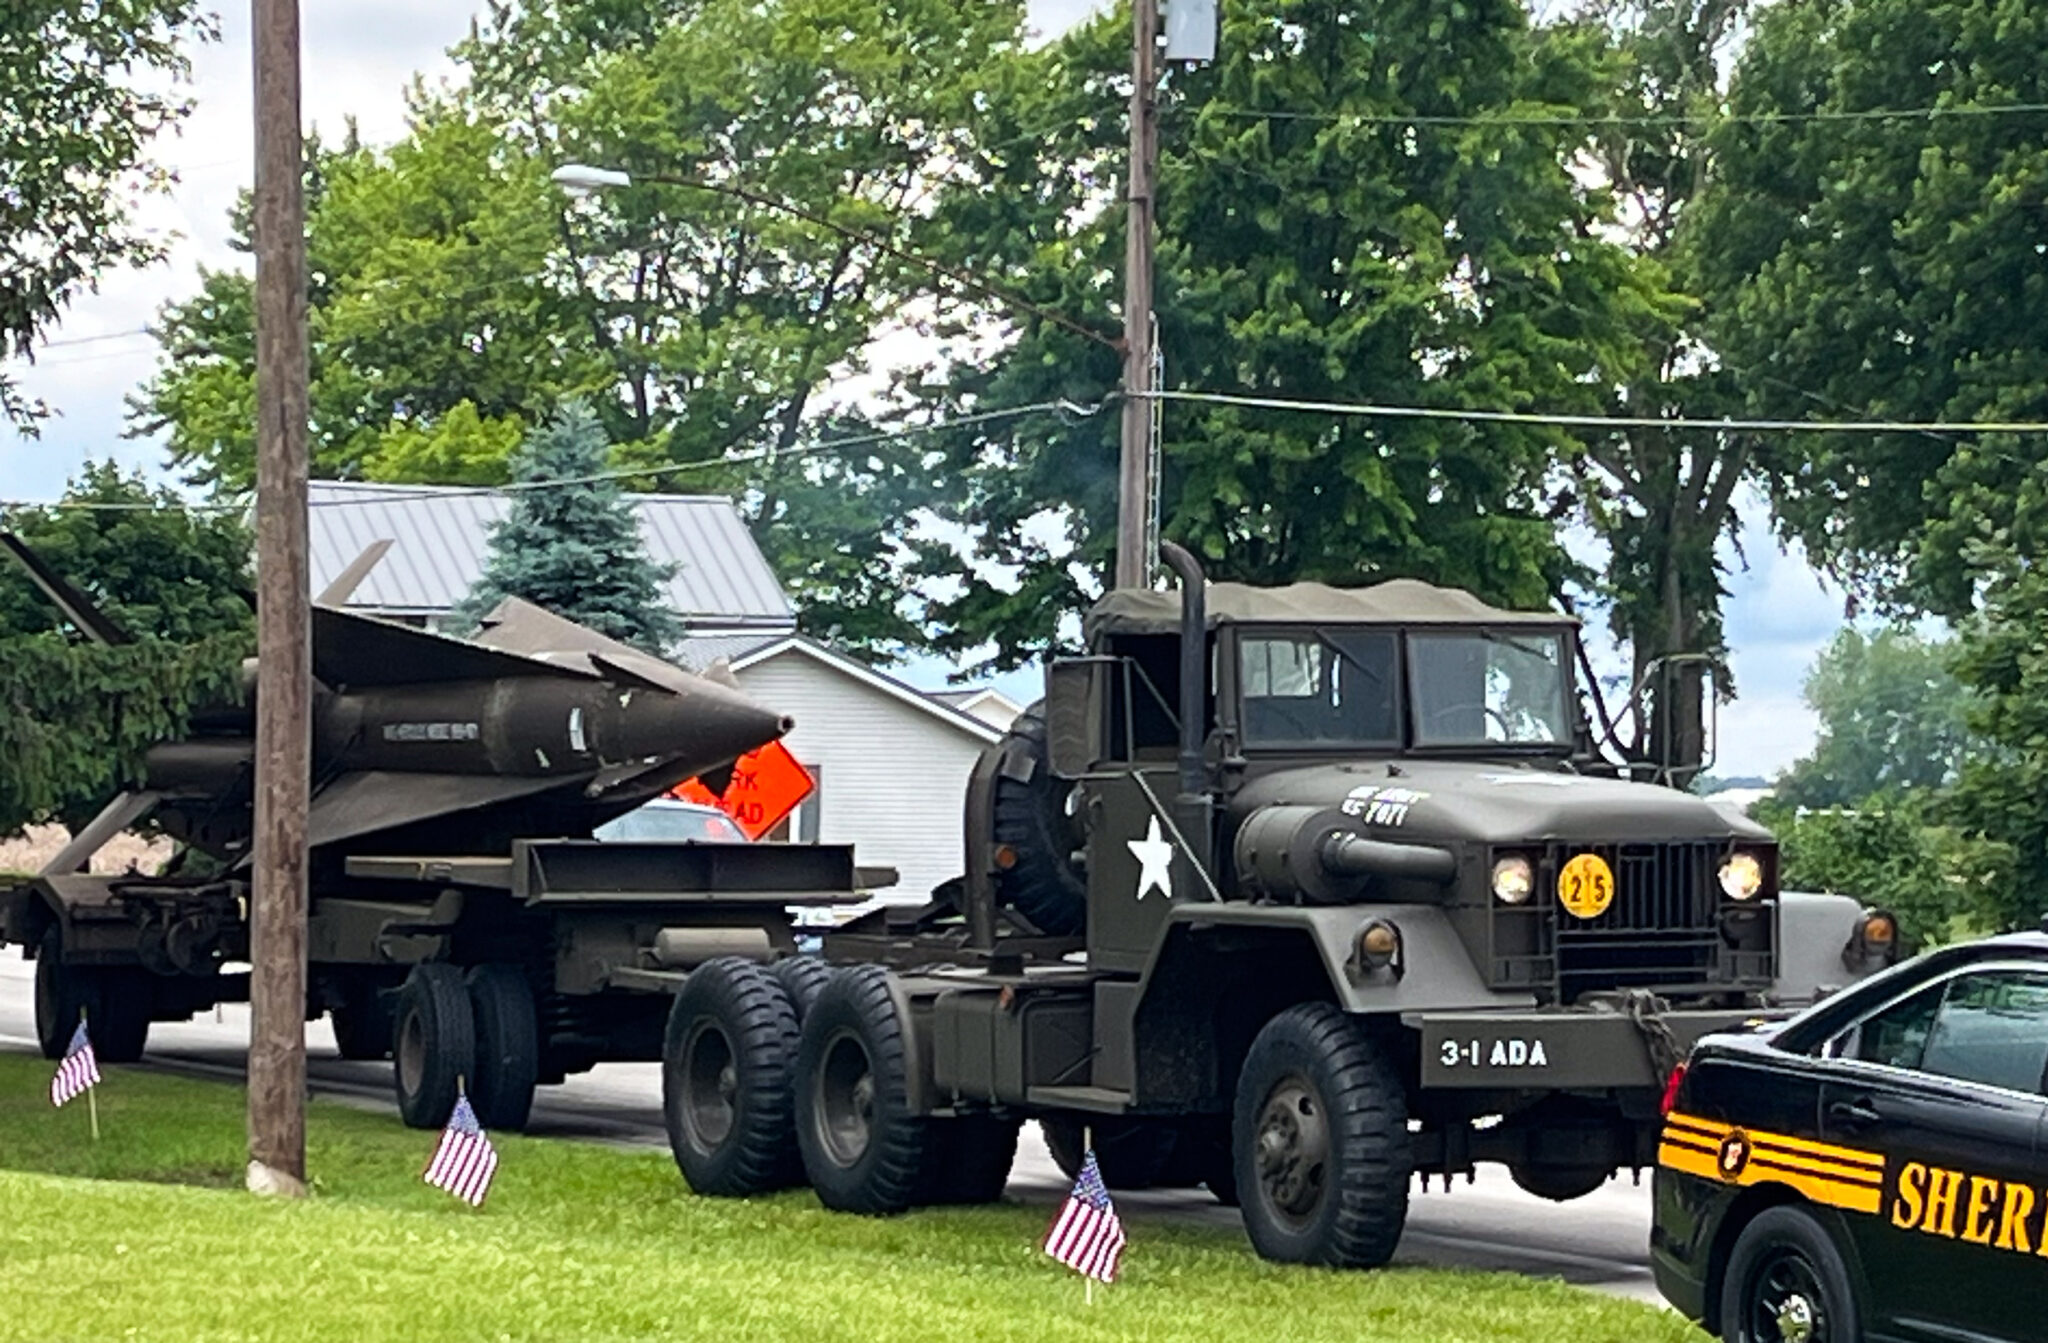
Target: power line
<point>1621,119</point>
<point>397,494</point>
<point>1606,421</point>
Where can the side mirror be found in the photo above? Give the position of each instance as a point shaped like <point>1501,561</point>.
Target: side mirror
<point>1072,723</point>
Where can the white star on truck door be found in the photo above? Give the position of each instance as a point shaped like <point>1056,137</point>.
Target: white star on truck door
<point>1155,861</point>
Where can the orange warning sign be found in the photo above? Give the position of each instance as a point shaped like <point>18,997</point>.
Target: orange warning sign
<point>766,786</point>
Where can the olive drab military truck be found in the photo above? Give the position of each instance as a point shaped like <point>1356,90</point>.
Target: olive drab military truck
<point>1295,893</point>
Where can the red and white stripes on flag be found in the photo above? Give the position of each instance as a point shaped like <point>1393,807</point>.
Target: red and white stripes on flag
<point>1087,1237</point>
<point>78,1070</point>
<point>465,1161</point>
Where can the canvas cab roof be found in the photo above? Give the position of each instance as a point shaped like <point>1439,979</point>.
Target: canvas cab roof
<point>1398,601</point>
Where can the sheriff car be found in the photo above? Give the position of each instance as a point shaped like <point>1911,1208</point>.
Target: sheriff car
<point>1873,1168</point>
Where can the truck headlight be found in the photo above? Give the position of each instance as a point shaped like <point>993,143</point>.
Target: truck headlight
<point>1742,876</point>
<point>1514,881</point>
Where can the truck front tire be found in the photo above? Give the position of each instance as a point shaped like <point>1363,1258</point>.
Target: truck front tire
<point>862,1143</point>
<point>1320,1137</point>
<point>725,1080</point>
<point>433,1044</point>
<point>507,1046</point>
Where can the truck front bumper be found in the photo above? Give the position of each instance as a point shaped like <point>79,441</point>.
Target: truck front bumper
<point>1575,1048</point>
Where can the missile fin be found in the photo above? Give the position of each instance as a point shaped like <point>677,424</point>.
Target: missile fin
<point>80,609</point>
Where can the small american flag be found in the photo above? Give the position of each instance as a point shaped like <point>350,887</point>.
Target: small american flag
<point>1087,1237</point>
<point>78,1071</point>
<point>465,1161</point>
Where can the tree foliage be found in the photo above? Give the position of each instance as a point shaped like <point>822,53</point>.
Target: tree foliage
<point>1888,267</point>
<point>76,718</point>
<point>1903,853</point>
<point>571,543</point>
<point>1311,247</point>
<point>457,295</point>
<point>77,116</point>
<point>1891,720</point>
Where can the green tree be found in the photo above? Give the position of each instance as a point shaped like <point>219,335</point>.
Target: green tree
<point>77,116</point>
<point>2003,793</point>
<point>457,294</point>
<point>1891,720</point>
<point>76,718</point>
<point>1899,852</point>
<point>1314,244</point>
<point>1889,267</point>
<point>570,543</point>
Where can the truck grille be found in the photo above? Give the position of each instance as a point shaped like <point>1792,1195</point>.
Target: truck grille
<point>1662,931</point>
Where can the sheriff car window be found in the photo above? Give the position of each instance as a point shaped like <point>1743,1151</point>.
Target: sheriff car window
<point>1990,1026</point>
<point>1317,688</point>
<point>1485,686</point>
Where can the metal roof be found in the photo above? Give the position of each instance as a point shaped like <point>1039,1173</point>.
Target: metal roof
<point>1398,601</point>
<point>440,534</point>
<point>699,651</point>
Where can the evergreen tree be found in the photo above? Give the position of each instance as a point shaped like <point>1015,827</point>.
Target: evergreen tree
<point>573,547</point>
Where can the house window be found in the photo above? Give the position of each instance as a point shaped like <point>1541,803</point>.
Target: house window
<point>801,825</point>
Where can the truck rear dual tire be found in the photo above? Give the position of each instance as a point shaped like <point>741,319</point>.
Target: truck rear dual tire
<point>727,1062</point>
<point>803,978</point>
<point>863,1144</point>
<point>1320,1136</point>
<point>114,1003</point>
<point>455,1033</point>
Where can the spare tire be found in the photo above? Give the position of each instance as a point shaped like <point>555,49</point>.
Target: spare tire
<point>1043,883</point>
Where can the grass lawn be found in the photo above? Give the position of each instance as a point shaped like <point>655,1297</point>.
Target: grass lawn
<point>124,1239</point>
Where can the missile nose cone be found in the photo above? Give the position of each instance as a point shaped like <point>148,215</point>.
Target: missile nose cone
<point>701,726</point>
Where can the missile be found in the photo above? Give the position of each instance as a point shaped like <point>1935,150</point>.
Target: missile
<point>424,743</point>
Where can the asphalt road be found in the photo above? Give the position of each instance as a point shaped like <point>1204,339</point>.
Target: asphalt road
<point>1599,1241</point>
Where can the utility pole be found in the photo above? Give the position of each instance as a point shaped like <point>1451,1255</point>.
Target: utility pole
<point>1134,474</point>
<point>277,955</point>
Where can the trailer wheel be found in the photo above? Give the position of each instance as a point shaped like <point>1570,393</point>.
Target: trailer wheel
<point>64,994</point>
<point>507,1046</point>
<point>362,1022</point>
<point>433,1043</point>
<point>1031,819</point>
<point>121,1030</point>
<point>862,1145</point>
<point>803,978</point>
<point>725,1080</point>
<point>1130,1153</point>
<point>1321,1142</point>
<point>968,1159</point>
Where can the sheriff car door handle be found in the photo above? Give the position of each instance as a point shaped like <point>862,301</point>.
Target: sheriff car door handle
<point>1857,1113</point>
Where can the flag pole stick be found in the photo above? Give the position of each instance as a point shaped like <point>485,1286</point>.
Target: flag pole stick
<point>92,1105</point>
<point>1087,1149</point>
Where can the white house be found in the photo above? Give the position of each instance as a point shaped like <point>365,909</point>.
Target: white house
<point>891,762</point>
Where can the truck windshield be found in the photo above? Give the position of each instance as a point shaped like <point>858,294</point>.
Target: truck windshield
<point>1319,688</point>
<point>1483,687</point>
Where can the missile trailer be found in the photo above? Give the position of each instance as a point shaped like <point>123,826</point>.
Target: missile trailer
<point>1293,893</point>
<point>440,931</point>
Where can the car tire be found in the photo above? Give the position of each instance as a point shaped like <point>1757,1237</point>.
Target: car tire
<point>1320,1140</point>
<point>862,1143</point>
<point>65,995</point>
<point>1131,1154</point>
<point>967,1160</point>
<point>803,978</point>
<point>507,1046</point>
<point>1785,1264</point>
<point>433,1044</point>
<point>726,1066</point>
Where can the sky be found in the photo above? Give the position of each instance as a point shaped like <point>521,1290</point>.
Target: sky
<point>360,56</point>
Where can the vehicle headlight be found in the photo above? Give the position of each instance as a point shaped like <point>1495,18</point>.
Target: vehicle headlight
<point>1514,881</point>
<point>1742,876</point>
